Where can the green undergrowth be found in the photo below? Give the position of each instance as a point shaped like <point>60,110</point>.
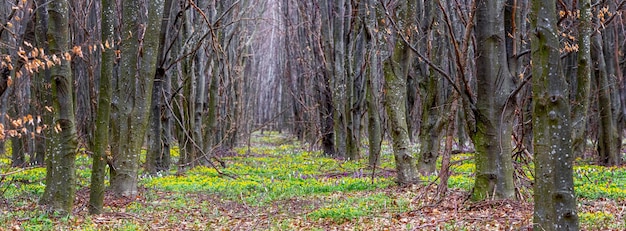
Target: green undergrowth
<point>341,208</point>
<point>268,176</point>
<point>273,169</point>
<point>600,220</point>
<point>595,182</point>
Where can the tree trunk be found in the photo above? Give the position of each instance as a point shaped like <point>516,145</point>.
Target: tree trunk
<point>494,106</point>
<point>103,113</point>
<point>83,31</point>
<point>608,143</point>
<point>395,70</point>
<point>338,78</point>
<point>555,201</point>
<point>610,133</point>
<point>132,91</point>
<point>60,166</point>
<point>41,95</point>
<point>583,80</point>
<point>373,76</point>
<point>353,67</point>
<point>431,127</point>
<point>159,136</point>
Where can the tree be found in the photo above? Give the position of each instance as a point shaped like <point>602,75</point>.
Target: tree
<point>334,22</point>
<point>395,69</point>
<point>41,79</point>
<point>583,79</point>
<point>609,141</point>
<point>60,166</point>
<point>373,77</point>
<point>494,105</point>
<point>555,202</point>
<point>159,135</point>
<point>132,91</point>
<point>101,136</point>
<point>431,97</point>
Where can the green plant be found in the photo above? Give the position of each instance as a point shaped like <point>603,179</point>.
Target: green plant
<point>344,208</point>
<point>598,220</point>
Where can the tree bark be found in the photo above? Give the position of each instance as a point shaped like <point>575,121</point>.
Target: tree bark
<point>60,166</point>
<point>432,124</point>
<point>103,114</point>
<point>373,77</point>
<point>492,135</point>
<point>41,95</point>
<point>132,91</point>
<point>583,79</point>
<point>159,135</point>
<point>555,201</point>
<point>395,70</point>
<point>608,141</point>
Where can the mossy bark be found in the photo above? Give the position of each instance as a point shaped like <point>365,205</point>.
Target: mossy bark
<point>432,121</point>
<point>494,106</point>
<point>431,128</point>
<point>132,91</point>
<point>395,69</point>
<point>101,136</point>
<point>60,166</point>
<point>555,201</point>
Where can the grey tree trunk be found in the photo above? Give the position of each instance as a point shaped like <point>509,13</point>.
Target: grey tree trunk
<point>608,141</point>
<point>132,91</point>
<point>555,201</point>
<point>373,77</point>
<point>396,69</point>
<point>338,80</point>
<point>103,114</point>
<point>610,128</point>
<point>432,124</point>
<point>85,70</point>
<point>60,166</point>
<point>580,107</point>
<point>41,95</point>
<point>326,112</point>
<point>354,80</point>
<point>492,135</point>
<point>159,136</point>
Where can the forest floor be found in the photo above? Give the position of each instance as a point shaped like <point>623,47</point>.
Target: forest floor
<point>278,184</point>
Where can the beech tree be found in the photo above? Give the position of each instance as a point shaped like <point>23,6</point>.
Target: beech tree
<point>432,98</point>
<point>583,79</point>
<point>555,201</point>
<point>141,22</point>
<point>609,140</point>
<point>494,105</point>
<point>101,133</point>
<point>159,138</point>
<point>60,165</point>
<point>395,70</point>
